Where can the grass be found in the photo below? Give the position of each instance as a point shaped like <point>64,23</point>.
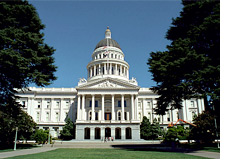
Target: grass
<point>90,153</point>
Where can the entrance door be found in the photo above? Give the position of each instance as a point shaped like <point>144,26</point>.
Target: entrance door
<point>107,116</point>
<point>107,132</point>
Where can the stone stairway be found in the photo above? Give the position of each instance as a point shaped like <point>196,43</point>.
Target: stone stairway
<point>99,144</point>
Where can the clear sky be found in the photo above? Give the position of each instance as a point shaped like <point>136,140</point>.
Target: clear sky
<point>74,28</point>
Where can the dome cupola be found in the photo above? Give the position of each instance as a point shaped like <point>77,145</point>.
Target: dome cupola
<point>108,60</point>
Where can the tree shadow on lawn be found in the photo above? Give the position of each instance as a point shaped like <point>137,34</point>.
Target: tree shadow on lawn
<point>156,147</point>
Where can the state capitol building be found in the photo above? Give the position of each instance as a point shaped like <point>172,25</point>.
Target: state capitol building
<point>106,104</point>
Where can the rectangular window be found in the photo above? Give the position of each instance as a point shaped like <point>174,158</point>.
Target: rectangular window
<point>96,103</point>
<point>192,104</point>
<point>48,105</point>
<point>39,104</point>
<point>38,117</point>
<point>139,105</point>
<point>125,103</point>
<point>67,103</point>
<point>23,104</point>
<point>47,116</point>
<point>168,116</point>
<point>57,116</point>
<point>90,103</point>
<point>119,103</point>
<point>148,105</point>
<point>57,104</point>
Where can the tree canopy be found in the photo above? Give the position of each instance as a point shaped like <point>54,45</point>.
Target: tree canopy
<point>68,131</point>
<point>24,59</point>
<point>190,67</point>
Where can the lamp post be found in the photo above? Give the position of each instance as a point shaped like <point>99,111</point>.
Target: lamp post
<point>15,140</point>
<point>215,125</point>
<point>49,137</point>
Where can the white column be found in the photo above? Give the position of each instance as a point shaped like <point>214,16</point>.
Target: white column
<point>99,69</point>
<point>132,107</point>
<point>94,72</point>
<point>110,68</point>
<point>42,110</point>
<point>72,109</point>
<point>113,111</point>
<point>105,70</point>
<point>127,73</point>
<point>102,107</point>
<point>115,71</point>
<point>78,107</point>
<point>91,71</point>
<point>136,106</point>
<point>93,107</point>
<point>83,108</point>
<point>122,108</point>
<point>144,107</point>
<point>62,114</point>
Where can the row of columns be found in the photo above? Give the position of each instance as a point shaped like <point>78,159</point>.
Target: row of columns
<point>81,112</point>
<point>113,133</point>
<point>108,69</point>
<point>114,56</point>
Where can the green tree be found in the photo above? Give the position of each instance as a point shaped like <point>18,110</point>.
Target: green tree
<point>156,130</point>
<point>205,130</point>
<point>11,118</point>
<point>145,129</point>
<point>190,67</point>
<point>68,131</point>
<point>24,58</point>
<point>41,136</point>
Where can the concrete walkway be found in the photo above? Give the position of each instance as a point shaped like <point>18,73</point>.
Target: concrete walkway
<point>206,154</point>
<point>25,152</point>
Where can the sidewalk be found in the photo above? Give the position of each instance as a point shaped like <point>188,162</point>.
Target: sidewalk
<point>206,154</point>
<point>25,152</point>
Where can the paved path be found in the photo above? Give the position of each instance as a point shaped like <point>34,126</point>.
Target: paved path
<point>206,154</point>
<point>25,152</point>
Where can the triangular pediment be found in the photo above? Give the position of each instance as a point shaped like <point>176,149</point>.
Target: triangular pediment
<point>108,83</point>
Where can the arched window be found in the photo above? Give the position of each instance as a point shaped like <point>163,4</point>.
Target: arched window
<point>128,133</point>
<point>87,133</point>
<point>97,133</point>
<point>140,116</point>
<point>90,115</point>
<point>117,133</point>
<point>119,115</point>
<point>96,115</point>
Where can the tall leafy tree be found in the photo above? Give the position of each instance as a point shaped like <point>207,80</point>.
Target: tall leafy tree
<point>190,67</point>
<point>145,129</point>
<point>24,58</point>
<point>68,131</point>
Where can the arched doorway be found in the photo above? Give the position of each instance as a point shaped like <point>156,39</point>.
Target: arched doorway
<point>128,133</point>
<point>97,133</point>
<point>107,132</point>
<point>87,133</point>
<point>117,133</point>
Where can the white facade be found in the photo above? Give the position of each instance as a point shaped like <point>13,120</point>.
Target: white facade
<point>106,104</point>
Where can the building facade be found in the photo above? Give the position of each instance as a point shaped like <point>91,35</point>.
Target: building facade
<point>105,105</point>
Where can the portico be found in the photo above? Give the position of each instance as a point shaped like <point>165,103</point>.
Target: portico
<point>113,108</point>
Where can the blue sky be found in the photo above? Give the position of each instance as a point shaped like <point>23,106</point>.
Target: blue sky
<point>74,28</point>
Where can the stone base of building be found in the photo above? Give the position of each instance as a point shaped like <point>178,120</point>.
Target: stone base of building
<point>107,131</point>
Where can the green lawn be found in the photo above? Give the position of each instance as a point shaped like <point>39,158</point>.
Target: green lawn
<point>89,153</point>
